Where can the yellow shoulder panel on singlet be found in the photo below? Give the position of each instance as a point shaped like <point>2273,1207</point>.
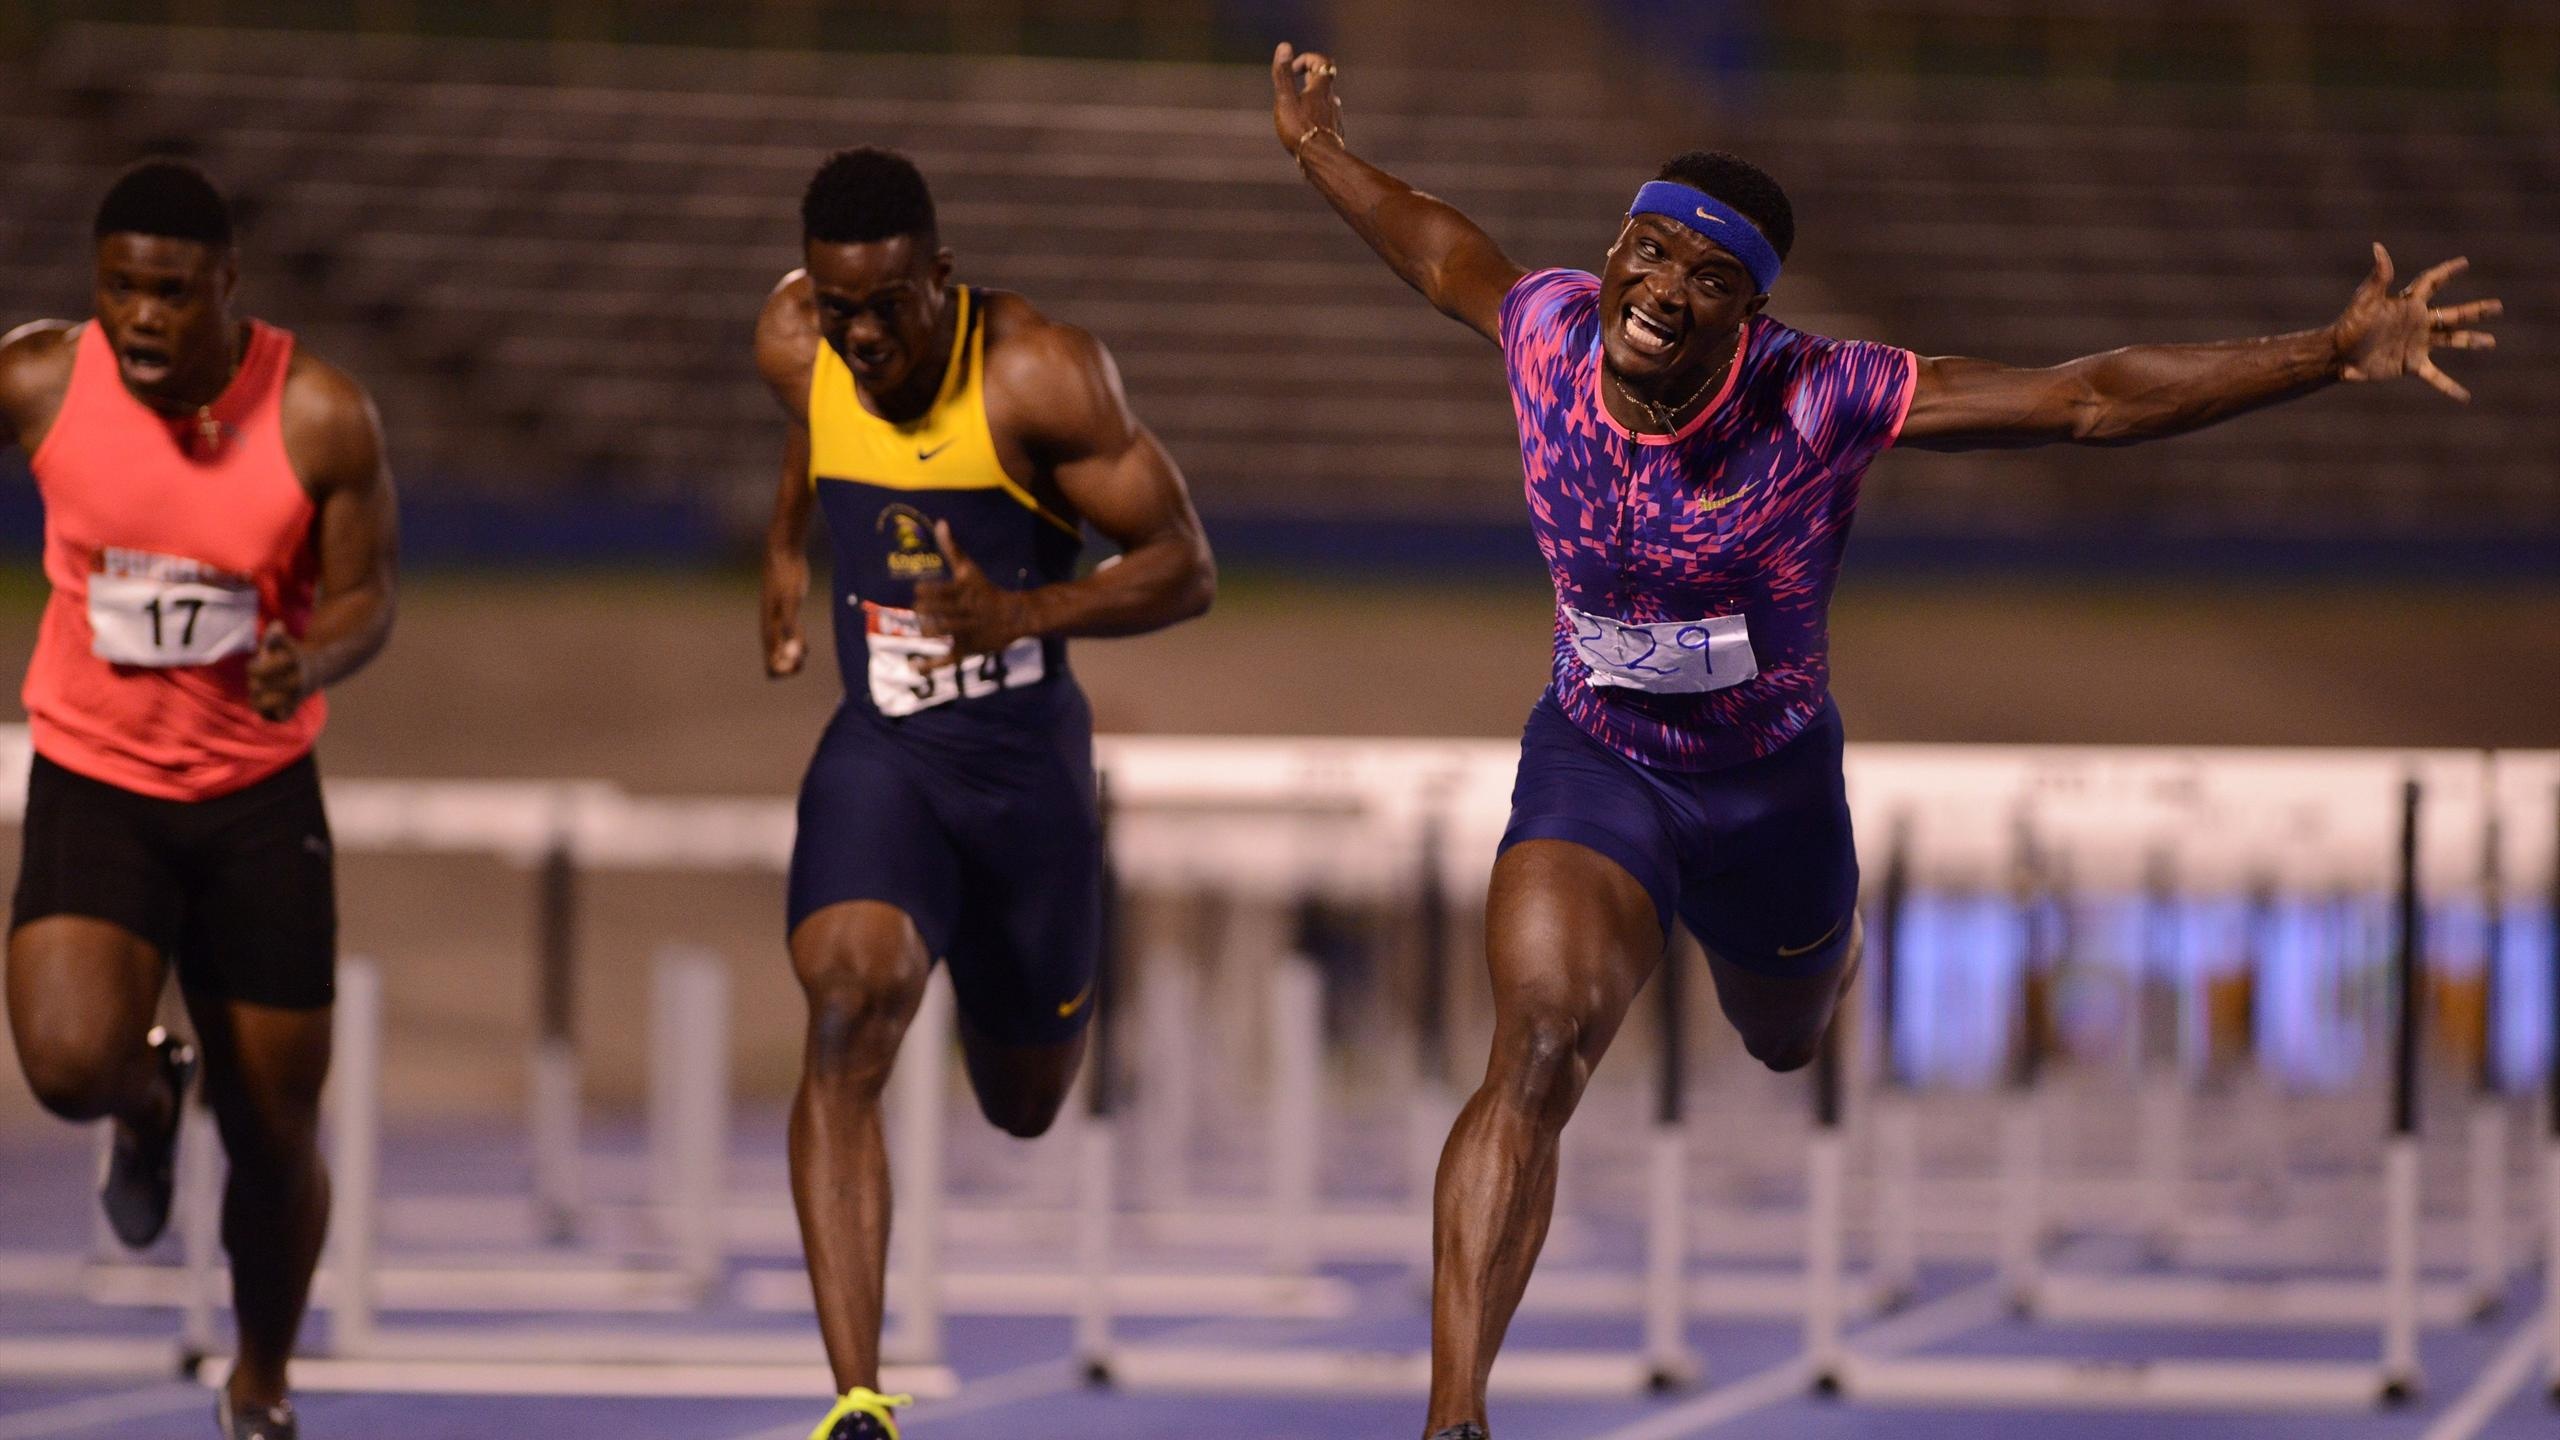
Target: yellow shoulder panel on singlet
<point>949,447</point>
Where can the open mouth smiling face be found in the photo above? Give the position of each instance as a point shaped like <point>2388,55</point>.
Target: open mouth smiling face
<point>1669,298</point>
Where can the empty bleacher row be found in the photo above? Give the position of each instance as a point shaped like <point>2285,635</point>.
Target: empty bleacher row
<point>1997,223</point>
<point>547,260</point>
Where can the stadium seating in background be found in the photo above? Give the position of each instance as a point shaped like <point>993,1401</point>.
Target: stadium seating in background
<point>547,258</point>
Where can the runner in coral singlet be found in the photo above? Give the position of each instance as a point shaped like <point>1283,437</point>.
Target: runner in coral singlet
<point>219,541</point>
<point>1692,466</point>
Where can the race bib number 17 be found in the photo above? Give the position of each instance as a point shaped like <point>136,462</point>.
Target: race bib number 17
<point>911,671</point>
<point>1670,657</point>
<point>165,611</point>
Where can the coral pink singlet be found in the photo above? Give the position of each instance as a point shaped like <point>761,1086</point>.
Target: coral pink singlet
<point>168,557</point>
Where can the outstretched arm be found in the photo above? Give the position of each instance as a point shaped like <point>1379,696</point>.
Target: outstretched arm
<point>2146,392</point>
<point>1436,250</point>
<point>1057,388</point>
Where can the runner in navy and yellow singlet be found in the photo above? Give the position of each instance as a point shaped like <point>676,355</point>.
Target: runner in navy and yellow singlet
<point>1692,466</point>
<point>959,443</point>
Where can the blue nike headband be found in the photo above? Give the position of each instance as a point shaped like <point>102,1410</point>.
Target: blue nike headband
<point>1714,219</point>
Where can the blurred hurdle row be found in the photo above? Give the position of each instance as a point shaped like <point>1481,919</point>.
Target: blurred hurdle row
<point>1991,862</point>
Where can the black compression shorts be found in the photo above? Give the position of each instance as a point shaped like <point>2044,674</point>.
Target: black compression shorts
<point>237,890</point>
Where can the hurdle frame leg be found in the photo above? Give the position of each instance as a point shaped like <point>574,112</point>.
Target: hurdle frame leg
<point>689,1107</point>
<point>918,1091</point>
<point>200,1180</point>
<point>2021,1254</point>
<point>355,1124</point>
<point>1297,1098</point>
<point>555,1093</point>
<point>2485,1233</point>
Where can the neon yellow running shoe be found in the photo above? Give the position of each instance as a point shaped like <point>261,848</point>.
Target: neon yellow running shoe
<point>861,1414</point>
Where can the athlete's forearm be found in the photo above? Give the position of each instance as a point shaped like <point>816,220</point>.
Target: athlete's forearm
<point>1163,580</point>
<point>347,630</point>
<point>2146,392</point>
<point>1424,239</point>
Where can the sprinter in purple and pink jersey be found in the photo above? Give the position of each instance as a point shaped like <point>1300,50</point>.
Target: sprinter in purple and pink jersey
<point>1692,468</point>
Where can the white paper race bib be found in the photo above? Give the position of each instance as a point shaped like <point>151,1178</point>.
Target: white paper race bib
<point>165,611</point>
<point>907,673</point>
<point>1669,657</point>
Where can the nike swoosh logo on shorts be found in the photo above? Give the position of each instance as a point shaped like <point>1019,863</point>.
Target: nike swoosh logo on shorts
<point>936,450</point>
<point>1787,953</point>
<point>1067,1009</point>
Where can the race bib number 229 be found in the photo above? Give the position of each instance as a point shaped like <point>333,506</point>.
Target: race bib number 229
<point>1672,657</point>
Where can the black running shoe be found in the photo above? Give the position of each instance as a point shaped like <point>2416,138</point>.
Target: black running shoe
<point>1468,1430</point>
<point>277,1423</point>
<point>142,1170</point>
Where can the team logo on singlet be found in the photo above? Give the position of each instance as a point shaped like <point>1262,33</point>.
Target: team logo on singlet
<point>911,549</point>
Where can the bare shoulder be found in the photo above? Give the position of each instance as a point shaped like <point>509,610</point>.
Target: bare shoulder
<point>1055,382</point>
<point>787,341</point>
<point>35,370</point>
<point>1028,345</point>
<point>331,429</point>
<point>1054,385</point>
<point>40,342</point>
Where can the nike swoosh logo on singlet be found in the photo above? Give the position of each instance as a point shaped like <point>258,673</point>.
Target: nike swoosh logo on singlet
<point>1709,507</point>
<point>1787,953</point>
<point>936,450</point>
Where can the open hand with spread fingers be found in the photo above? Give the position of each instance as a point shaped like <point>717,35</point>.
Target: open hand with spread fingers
<point>2384,335</point>
<point>980,616</point>
<point>1303,104</point>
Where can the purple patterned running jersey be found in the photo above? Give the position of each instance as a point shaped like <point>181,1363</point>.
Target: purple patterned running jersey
<point>1734,526</point>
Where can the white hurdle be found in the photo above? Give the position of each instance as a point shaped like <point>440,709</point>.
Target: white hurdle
<point>1662,1361</point>
<point>688,1216</point>
<point>2212,1383</point>
<point>2314,1302</point>
<point>365,1353</point>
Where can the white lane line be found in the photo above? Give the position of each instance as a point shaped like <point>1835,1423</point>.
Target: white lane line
<point>2505,1374</point>
<point>171,1399</point>
<point>1023,1382</point>
<point>1953,1315</point>
<point>1030,1382</point>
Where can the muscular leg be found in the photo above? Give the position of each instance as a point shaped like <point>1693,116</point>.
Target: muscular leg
<point>1783,1019</point>
<point>1572,938</point>
<point>1020,1087</point>
<point>264,1070</point>
<point>862,967</point>
<point>82,994</point>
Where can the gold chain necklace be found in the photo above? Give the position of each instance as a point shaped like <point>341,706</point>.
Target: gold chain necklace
<point>1664,417</point>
